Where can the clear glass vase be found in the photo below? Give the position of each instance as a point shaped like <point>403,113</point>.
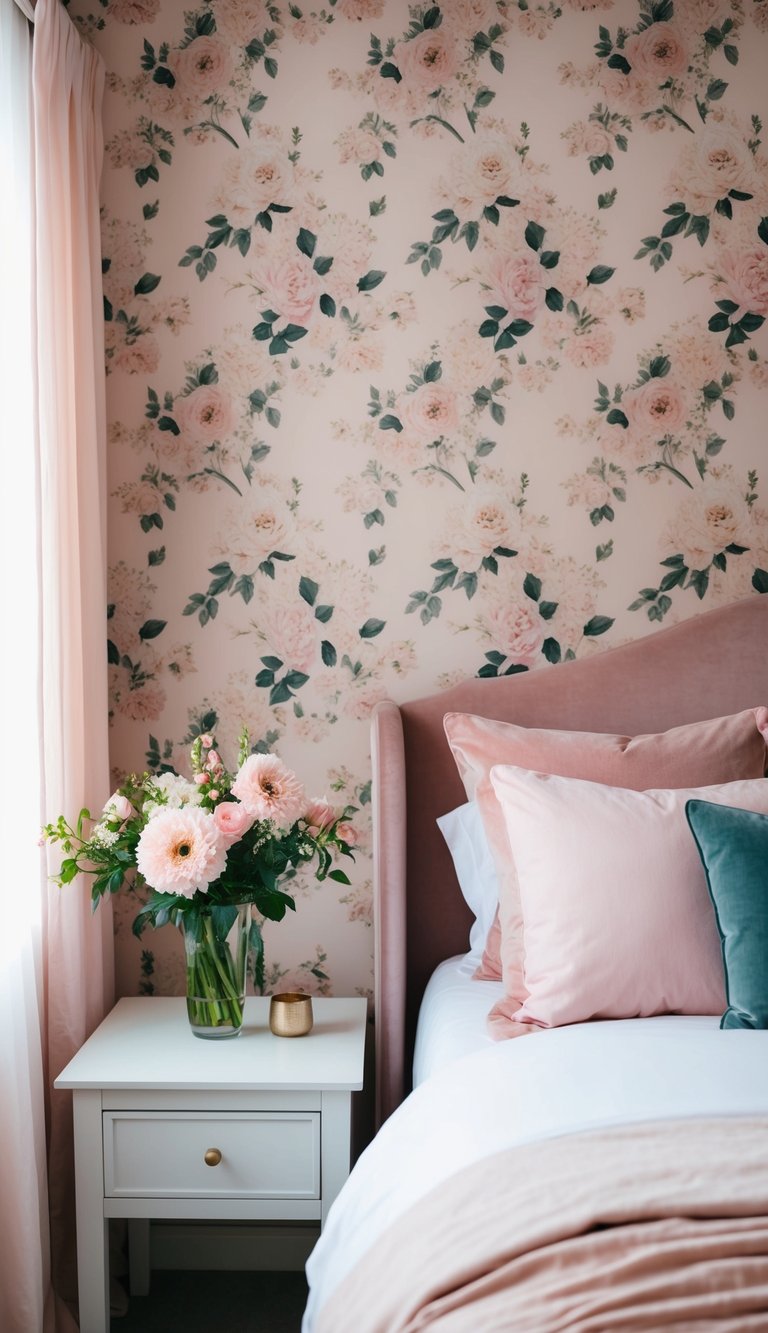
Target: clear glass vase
<point>216,950</point>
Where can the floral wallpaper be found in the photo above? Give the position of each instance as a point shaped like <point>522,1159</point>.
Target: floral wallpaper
<point>436,345</point>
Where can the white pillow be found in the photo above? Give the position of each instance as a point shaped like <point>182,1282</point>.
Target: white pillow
<point>475,870</point>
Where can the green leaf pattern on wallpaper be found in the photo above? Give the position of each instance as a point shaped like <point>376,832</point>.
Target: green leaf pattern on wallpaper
<point>437,346</point>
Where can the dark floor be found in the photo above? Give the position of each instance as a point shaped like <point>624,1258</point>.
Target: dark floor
<point>215,1302</point>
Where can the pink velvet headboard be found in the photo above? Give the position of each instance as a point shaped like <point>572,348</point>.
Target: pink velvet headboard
<point>709,666</point>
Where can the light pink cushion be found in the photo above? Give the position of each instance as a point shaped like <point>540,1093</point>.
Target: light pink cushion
<point>698,754</point>
<point>617,917</point>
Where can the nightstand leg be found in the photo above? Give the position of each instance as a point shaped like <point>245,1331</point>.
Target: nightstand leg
<point>92,1231</point>
<point>334,1163</point>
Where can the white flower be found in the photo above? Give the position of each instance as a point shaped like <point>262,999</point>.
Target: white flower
<point>170,791</point>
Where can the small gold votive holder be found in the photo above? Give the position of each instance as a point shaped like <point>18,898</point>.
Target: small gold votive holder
<point>290,1014</point>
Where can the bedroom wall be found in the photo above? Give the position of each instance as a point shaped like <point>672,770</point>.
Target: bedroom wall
<point>435,346</point>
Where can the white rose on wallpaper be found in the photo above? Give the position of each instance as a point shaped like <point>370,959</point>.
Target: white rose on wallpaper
<point>631,303</point>
<point>707,520</point>
<point>255,527</point>
<point>428,61</point>
<point>202,68</point>
<point>470,16</point>
<point>758,11</point>
<point>716,161</point>
<point>430,411</point>
<point>252,179</point>
<point>483,521</point>
<point>478,174</point>
<point>206,414</point>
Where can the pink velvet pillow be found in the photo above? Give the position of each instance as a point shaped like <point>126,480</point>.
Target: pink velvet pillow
<point>718,750</point>
<point>617,915</point>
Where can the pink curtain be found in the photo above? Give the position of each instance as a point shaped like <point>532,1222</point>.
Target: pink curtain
<point>56,983</point>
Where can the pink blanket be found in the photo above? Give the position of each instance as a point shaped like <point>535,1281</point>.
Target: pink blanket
<point>654,1226</point>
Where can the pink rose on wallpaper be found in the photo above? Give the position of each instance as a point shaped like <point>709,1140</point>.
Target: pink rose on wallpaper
<point>658,408</point>
<point>359,146</point>
<point>518,281</point>
<point>588,490</point>
<point>232,820</point>
<point>141,357</point>
<point>516,630</point>
<point>484,521</point>
<point>290,634</point>
<point>291,288</point>
<point>360,9</point>
<point>471,16</point>
<point>658,51</point>
<point>361,354</point>
<point>597,142</point>
<point>746,278</point>
<point>429,60</point>
<point>360,703</point>
<point>144,704</point>
<point>240,20</point>
<point>716,162</point>
<point>707,520</point>
<point>591,348</point>
<point>134,11</point>
<point>128,148</point>
<point>202,68</point>
<point>431,411</point>
<point>206,414</point>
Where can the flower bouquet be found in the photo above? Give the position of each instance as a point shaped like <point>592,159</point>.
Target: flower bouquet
<point>210,850</point>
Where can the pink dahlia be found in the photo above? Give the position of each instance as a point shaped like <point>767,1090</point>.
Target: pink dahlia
<point>269,790</point>
<point>181,851</point>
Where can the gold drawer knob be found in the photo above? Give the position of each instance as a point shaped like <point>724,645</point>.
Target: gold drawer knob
<point>213,1157</point>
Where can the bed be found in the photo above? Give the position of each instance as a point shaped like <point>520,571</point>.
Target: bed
<point>601,1174</point>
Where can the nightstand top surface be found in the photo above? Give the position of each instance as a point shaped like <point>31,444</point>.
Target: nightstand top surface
<point>147,1043</point>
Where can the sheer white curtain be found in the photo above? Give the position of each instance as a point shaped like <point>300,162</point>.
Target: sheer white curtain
<point>55,958</point>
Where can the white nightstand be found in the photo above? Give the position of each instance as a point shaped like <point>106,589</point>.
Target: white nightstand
<point>169,1125</point>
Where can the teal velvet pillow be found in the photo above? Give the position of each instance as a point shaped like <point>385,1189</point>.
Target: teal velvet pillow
<point>733,845</point>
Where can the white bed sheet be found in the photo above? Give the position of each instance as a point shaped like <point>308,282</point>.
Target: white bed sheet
<point>560,1081</point>
<point>452,1016</point>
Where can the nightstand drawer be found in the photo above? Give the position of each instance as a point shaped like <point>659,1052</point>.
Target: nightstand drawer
<point>268,1155</point>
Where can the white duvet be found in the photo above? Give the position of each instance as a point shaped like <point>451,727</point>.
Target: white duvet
<point>550,1083</point>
